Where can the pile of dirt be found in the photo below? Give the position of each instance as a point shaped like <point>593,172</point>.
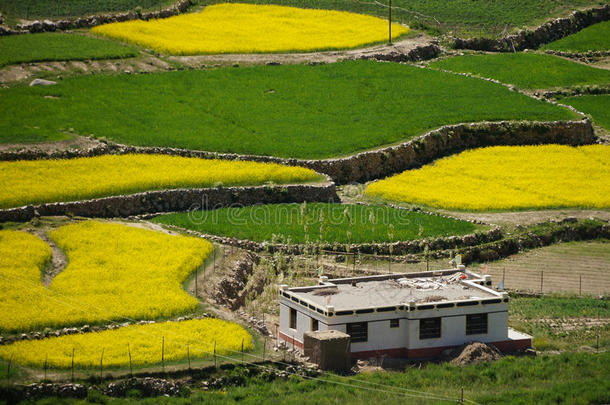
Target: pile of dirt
<point>474,353</point>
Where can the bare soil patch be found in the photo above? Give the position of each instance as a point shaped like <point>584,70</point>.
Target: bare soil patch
<point>28,71</point>
<point>59,260</point>
<point>576,267</point>
<point>528,217</point>
<point>573,324</point>
<point>75,142</point>
<point>200,61</point>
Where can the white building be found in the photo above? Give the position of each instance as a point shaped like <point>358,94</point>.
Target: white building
<point>413,315</point>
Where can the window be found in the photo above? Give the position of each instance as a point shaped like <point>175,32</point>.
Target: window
<point>430,328</point>
<point>394,323</point>
<point>293,318</point>
<point>314,324</point>
<point>476,324</point>
<point>359,331</point>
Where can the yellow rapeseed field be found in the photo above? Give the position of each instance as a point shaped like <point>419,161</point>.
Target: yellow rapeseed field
<point>247,28</point>
<point>31,182</point>
<point>114,271</point>
<point>507,178</point>
<point>145,343</point>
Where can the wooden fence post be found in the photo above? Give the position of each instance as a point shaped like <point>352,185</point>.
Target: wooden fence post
<point>102,366</point>
<point>72,379</point>
<point>8,369</point>
<point>215,364</point>
<point>188,355</point>
<point>130,367</point>
<point>163,354</point>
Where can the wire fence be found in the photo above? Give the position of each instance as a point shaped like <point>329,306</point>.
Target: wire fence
<point>235,356</point>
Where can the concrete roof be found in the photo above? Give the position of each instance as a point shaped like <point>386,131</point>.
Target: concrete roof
<point>392,290</point>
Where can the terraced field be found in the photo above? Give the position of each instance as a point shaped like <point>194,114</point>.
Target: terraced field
<point>300,223</point>
<point>94,275</point>
<point>596,106</point>
<point>593,38</point>
<point>507,178</point>
<point>52,47</point>
<point>292,111</point>
<point>138,344</point>
<point>245,28</point>
<point>78,179</point>
<point>527,70</point>
<point>114,272</point>
<point>575,268</point>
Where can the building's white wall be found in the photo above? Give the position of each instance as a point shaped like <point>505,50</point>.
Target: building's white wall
<point>304,316</point>
<point>381,336</point>
<point>453,328</point>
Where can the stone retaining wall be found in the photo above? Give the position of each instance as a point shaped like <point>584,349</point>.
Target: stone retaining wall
<point>176,200</point>
<point>398,248</point>
<point>532,39</point>
<point>91,21</point>
<point>567,230</point>
<point>382,162</point>
<point>425,52</point>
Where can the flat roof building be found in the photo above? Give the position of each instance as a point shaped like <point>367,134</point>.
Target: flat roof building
<point>413,315</point>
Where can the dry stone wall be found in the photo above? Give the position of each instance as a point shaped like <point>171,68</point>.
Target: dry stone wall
<point>176,200</point>
<point>375,164</point>
<point>532,39</point>
<point>91,21</point>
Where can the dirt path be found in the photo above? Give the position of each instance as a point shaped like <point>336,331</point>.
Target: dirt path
<point>75,142</point>
<point>148,63</point>
<point>528,217</point>
<point>53,70</point>
<point>200,61</point>
<point>59,260</point>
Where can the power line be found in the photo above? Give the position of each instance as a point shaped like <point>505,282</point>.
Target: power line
<point>405,391</point>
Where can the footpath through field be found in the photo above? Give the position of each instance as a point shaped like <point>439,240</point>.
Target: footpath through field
<point>148,63</point>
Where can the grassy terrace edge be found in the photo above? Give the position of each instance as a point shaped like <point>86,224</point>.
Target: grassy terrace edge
<point>46,47</point>
<point>318,222</point>
<point>370,105</point>
<point>527,70</point>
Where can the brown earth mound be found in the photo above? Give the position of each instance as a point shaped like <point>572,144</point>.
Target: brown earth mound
<point>474,353</point>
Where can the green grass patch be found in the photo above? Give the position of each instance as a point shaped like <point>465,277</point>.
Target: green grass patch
<point>558,306</point>
<point>527,70</point>
<point>575,378</point>
<point>462,17</point>
<point>289,111</point>
<point>57,46</point>
<point>593,38</point>
<point>30,9</point>
<point>318,222</point>
<point>597,106</point>
<point>566,323</point>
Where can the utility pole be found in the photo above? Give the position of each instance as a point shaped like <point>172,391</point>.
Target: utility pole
<point>390,23</point>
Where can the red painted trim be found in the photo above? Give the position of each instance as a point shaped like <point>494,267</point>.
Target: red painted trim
<point>505,346</point>
<point>291,340</point>
<point>513,345</point>
<point>398,352</point>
